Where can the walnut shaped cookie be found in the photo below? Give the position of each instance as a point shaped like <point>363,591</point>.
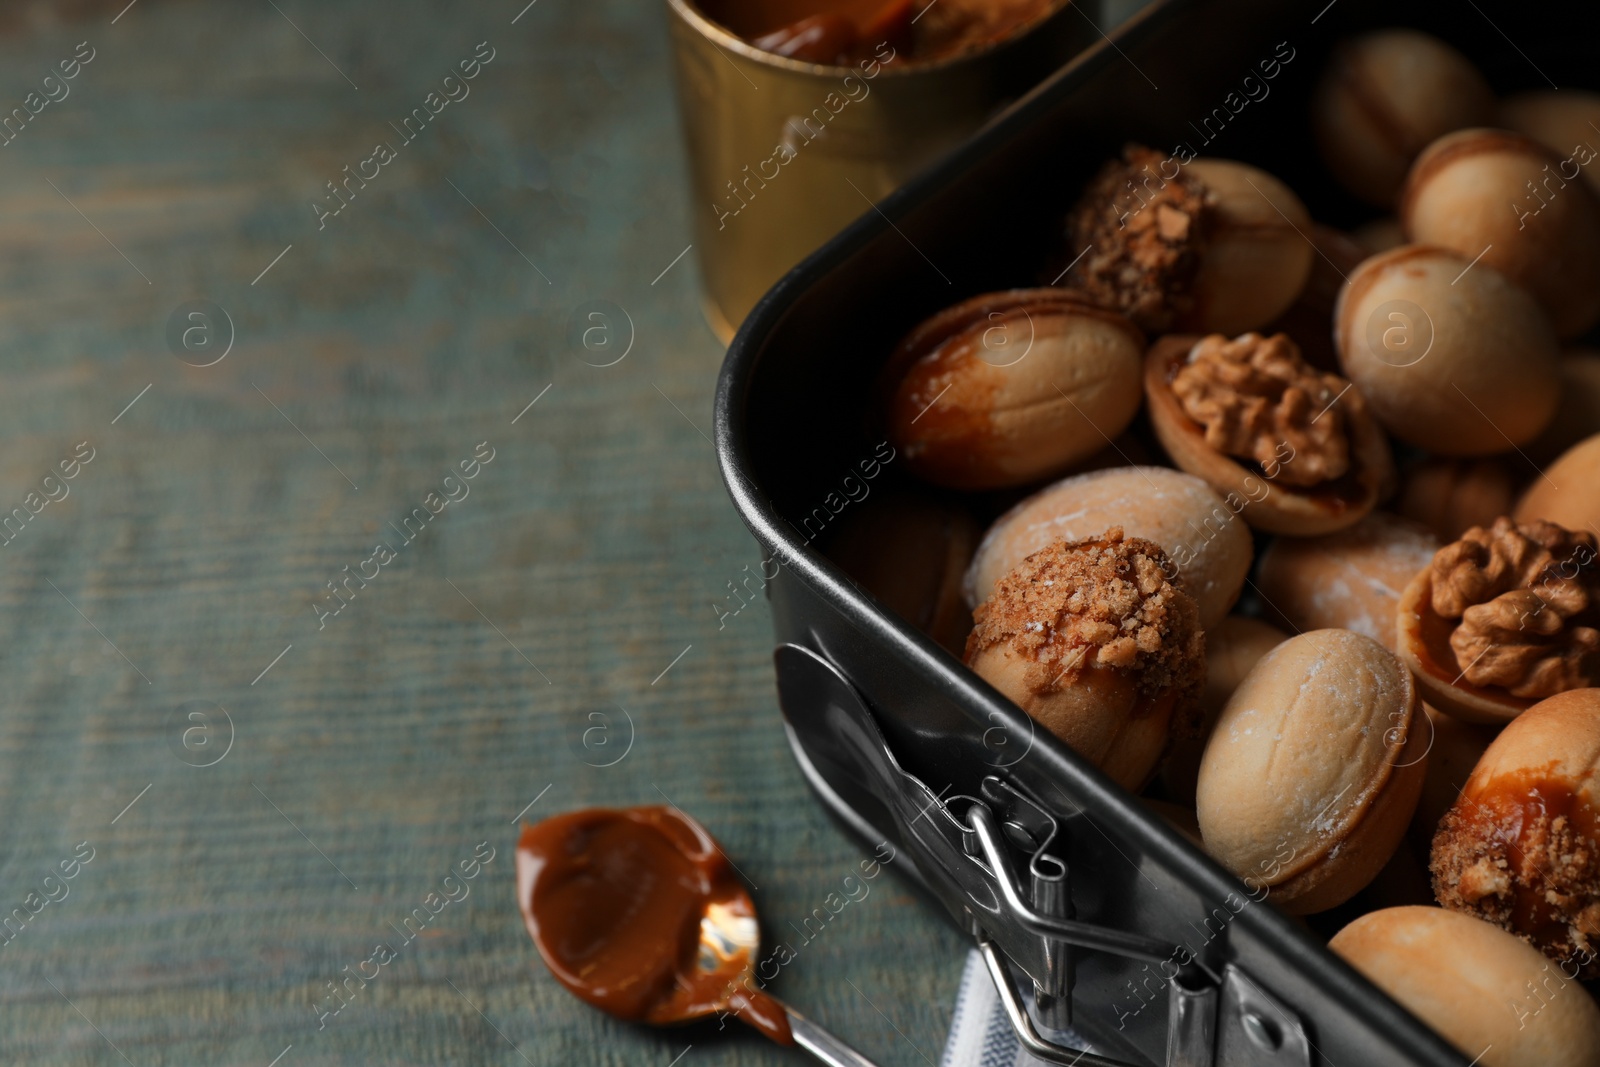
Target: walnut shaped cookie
<point>1011,387</point>
<point>1099,646</point>
<point>1139,255</point>
<point>1503,618</point>
<point>1296,446</point>
<point>1179,243</point>
<point>1520,846</point>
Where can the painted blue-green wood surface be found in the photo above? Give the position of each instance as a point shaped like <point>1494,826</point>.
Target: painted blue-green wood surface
<point>185,572</point>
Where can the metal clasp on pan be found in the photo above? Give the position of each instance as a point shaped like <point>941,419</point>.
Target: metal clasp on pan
<point>964,848</point>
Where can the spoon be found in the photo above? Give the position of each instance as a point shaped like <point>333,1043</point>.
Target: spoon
<point>638,912</point>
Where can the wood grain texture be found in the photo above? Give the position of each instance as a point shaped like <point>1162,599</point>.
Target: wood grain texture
<point>389,741</point>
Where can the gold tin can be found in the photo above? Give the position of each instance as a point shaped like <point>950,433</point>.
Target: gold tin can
<point>783,153</point>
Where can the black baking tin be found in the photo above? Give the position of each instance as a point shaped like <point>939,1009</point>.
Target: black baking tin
<point>793,420</point>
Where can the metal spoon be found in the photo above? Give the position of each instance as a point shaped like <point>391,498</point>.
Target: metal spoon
<point>619,900</point>
<point>730,942</point>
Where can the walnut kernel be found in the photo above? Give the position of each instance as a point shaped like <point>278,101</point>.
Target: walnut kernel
<point>1255,394</point>
<point>1528,600</point>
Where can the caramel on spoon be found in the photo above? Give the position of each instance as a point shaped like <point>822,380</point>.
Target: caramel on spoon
<point>638,912</point>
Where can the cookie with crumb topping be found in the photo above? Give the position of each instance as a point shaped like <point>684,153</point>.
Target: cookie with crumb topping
<point>1098,645</point>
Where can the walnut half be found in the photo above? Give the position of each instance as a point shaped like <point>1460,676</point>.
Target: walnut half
<point>1253,395</point>
<point>1528,600</point>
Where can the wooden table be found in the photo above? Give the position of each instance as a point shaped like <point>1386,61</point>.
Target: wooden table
<point>269,788</point>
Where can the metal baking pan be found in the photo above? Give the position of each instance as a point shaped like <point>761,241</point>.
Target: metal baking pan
<point>1089,909</point>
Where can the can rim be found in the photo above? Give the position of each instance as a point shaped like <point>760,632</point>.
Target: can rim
<point>723,38</point>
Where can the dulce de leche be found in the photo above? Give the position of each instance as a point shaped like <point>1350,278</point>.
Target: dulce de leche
<point>818,31</point>
<point>638,912</point>
<point>847,31</point>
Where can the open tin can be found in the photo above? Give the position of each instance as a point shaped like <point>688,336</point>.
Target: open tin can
<point>783,153</point>
<point>1090,910</point>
